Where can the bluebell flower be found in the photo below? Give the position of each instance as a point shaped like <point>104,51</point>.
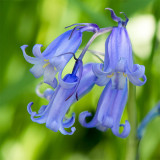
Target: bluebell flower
<point>64,96</point>
<point>118,62</point>
<point>149,117</point>
<point>54,58</point>
<point>109,110</point>
<point>118,65</point>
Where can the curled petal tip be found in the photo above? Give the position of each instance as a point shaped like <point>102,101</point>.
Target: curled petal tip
<point>126,21</point>
<point>63,131</point>
<point>116,18</point>
<point>124,133</point>
<point>69,122</point>
<point>37,50</point>
<point>109,9</point>
<point>29,107</point>
<point>113,15</point>
<point>24,46</point>
<point>29,59</point>
<point>82,120</point>
<point>42,109</point>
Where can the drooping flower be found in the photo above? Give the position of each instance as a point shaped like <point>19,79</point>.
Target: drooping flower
<point>149,117</point>
<point>64,96</point>
<point>118,62</point>
<point>118,65</point>
<point>54,58</point>
<point>109,110</point>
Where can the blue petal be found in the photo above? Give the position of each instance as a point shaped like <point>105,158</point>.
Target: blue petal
<point>40,112</point>
<point>39,120</point>
<point>37,70</point>
<point>107,122</point>
<point>59,56</point>
<point>53,125</point>
<point>100,74</point>
<point>109,111</point>
<point>42,109</point>
<point>113,15</point>
<point>117,110</point>
<point>101,128</point>
<point>63,44</point>
<point>117,19</point>
<point>58,106</point>
<point>106,56</point>
<point>49,75</point>
<point>63,131</point>
<point>125,132</point>
<point>29,59</point>
<point>82,120</point>
<point>121,65</point>
<point>118,81</point>
<point>69,122</point>
<point>136,73</point>
<point>48,93</point>
<point>37,50</point>
<point>118,47</point>
<point>103,105</point>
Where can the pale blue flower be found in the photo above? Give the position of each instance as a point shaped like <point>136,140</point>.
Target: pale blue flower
<point>54,58</point>
<point>118,65</point>
<point>64,96</point>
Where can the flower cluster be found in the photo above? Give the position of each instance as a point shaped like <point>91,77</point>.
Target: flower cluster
<point>113,73</point>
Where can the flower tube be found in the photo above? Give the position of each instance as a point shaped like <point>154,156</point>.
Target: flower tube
<point>109,111</point>
<point>118,62</point>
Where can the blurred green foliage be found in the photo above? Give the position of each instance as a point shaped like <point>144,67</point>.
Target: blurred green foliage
<point>41,21</point>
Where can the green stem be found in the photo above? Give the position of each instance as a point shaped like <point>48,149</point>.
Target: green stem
<point>132,142</point>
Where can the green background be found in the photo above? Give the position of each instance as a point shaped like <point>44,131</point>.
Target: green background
<point>32,21</point>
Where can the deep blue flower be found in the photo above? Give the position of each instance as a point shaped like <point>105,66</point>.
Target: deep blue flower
<point>109,110</point>
<point>64,96</point>
<point>54,58</point>
<point>149,117</point>
<point>118,62</point>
